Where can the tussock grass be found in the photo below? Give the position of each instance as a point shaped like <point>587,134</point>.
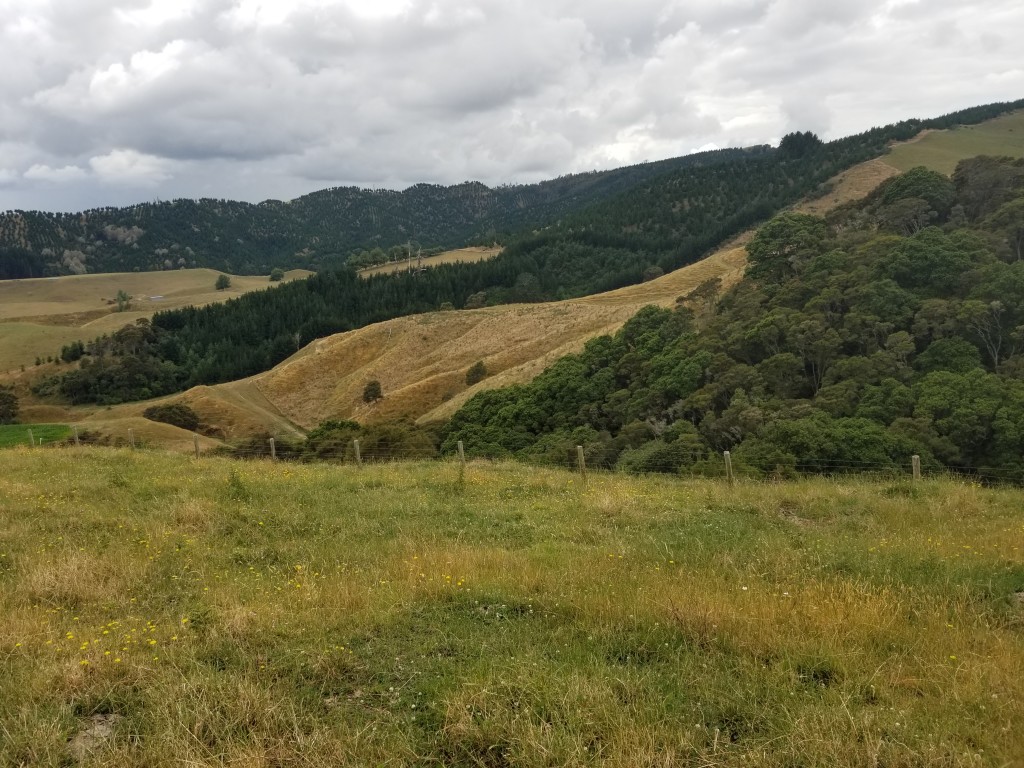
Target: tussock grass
<point>160,610</point>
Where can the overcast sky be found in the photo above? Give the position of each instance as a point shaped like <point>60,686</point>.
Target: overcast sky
<point>111,102</point>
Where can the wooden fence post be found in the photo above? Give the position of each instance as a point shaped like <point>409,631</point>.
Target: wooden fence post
<point>915,466</point>
<point>728,467</point>
<point>581,462</point>
<point>359,458</point>
<point>273,450</point>
<point>195,442</point>
<point>76,436</point>
<point>462,456</point>
<point>31,439</point>
<point>131,438</point>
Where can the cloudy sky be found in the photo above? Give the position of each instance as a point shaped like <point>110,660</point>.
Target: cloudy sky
<point>117,101</point>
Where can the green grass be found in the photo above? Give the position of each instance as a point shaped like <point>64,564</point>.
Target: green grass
<point>17,434</point>
<point>159,610</point>
<point>942,150</point>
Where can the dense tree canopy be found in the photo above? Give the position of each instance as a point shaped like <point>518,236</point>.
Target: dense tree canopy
<point>845,347</point>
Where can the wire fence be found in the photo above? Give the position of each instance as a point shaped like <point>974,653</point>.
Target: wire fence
<point>354,453</point>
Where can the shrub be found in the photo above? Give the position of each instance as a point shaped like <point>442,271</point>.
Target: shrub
<point>8,406</point>
<point>372,392</point>
<point>477,372</point>
<point>176,414</point>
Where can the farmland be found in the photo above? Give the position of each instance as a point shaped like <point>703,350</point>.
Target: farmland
<point>161,609</point>
<point>38,316</point>
<point>942,150</point>
<point>456,256</point>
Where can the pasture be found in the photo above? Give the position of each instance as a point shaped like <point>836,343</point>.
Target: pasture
<point>18,434</point>
<point>942,150</point>
<point>38,316</point>
<point>456,256</point>
<point>161,610</point>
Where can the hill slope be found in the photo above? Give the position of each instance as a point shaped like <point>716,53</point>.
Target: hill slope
<point>307,232</point>
<point>40,315</point>
<point>421,360</point>
<point>942,150</point>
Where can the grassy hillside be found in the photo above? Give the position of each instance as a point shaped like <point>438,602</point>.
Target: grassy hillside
<point>160,611</point>
<point>456,256</point>
<point>942,150</point>
<point>39,316</point>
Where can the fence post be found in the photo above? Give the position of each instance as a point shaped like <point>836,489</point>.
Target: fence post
<point>76,436</point>
<point>915,466</point>
<point>131,438</point>
<point>359,458</point>
<point>582,462</point>
<point>273,450</point>
<point>728,467</point>
<point>31,439</point>
<point>195,442</point>
<point>462,456</point>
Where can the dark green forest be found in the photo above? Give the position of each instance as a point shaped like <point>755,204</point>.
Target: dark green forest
<point>315,231</point>
<point>893,327</point>
<point>656,226</point>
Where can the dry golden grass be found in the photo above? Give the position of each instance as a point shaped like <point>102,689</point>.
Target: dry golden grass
<point>421,361</point>
<point>52,312</point>
<point>850,185</point>
<point>456,256</point>
<point>119,428</point>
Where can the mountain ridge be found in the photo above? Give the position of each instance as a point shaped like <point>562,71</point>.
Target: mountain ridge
<point>314,230</point>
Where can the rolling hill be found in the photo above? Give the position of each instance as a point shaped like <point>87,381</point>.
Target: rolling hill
<point>421,360</point>
<point>40,315</point>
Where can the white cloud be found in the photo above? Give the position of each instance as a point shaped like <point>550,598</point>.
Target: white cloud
<point>272,98</point>
<point>126,166</point>
<point>42,172</point>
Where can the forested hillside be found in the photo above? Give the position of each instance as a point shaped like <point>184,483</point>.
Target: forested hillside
<point>317,230</point>
<point>324,228</point>
<point>894,327</point>
<point>660,225</point>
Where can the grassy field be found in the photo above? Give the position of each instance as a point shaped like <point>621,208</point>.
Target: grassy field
<point>21,343</point>
<point>457,256</point>
<point>17,434</point>
<point>159,610</point>
<point>52,312</point>
<point>942,150</point>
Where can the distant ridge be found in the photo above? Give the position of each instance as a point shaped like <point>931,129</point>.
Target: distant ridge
<point>311,231</point>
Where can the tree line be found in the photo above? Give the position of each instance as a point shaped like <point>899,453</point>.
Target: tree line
<point>320,230</point>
